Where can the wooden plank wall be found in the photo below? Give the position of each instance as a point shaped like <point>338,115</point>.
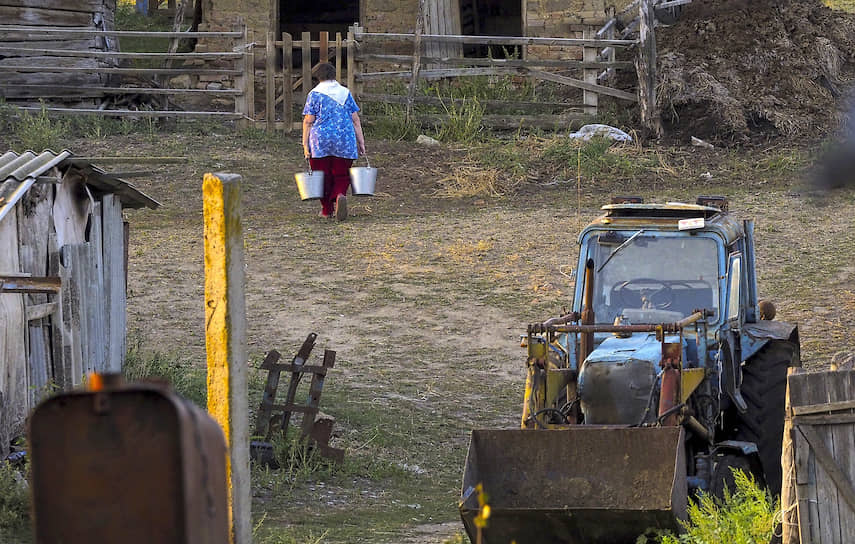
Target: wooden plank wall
<point>442,17</point>
<point>823,417</point>
<point>34,225</point>
<point>13,372</point>
<point>86,14</point>
<point>55,340</point>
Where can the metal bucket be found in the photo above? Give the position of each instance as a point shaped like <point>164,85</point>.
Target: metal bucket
<point>309,183</point>
<point>363,179</point>
<point>583,485</point>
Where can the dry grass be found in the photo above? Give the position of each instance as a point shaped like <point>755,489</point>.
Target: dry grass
<point>424,297</point>
<point>468,180</point>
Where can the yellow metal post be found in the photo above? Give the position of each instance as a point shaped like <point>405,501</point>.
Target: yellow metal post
<point>225,339</point>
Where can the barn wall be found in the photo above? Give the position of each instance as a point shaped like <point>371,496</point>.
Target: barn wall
<point>564,19</point>
<point>13,361</point>
<point>85,328</point>
<point>89,14</point>
<point>548,18</point>
<point>223,15</point>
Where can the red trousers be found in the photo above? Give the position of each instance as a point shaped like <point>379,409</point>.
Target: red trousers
<point>336,179</point>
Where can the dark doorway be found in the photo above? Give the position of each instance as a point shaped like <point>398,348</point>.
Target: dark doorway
<point>491,18</point>
<point>298,16</point>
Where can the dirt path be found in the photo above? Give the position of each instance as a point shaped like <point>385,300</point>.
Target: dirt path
<point>424,300</point>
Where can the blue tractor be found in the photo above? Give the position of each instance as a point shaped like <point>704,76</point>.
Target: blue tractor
<point>668,373</point>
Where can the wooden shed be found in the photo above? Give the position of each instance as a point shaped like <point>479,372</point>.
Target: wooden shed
<point>63,266</point>
<point>45,65</point>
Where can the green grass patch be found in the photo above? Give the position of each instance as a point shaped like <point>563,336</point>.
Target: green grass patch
<point>128,18</point>
<point>186,378</point>
<point>14,505</point>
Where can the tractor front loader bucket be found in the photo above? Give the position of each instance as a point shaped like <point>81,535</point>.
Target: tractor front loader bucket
<point>585,484</point>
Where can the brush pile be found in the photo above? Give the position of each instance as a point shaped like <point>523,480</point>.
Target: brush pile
<point>734,71</point>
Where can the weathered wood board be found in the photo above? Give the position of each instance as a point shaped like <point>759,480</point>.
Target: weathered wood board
<point>28,23</point>
<point>33,216</point>
<point>824,455</point>
<point>113,251</point>
<point>13,15</point>
<point>89,6</point>
<point>13,369</point>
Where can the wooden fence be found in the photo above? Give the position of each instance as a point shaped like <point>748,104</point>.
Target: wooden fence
<point>280,77</point>
<point>38,71</point>
<point>819,458</point>
<point>361,59</point>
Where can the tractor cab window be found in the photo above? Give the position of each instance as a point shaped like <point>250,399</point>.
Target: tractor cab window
<point>644,277</point>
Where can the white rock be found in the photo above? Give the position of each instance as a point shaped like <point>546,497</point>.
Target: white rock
<point>697,142</point>
<point>426,140</point>
<point>602,131</point>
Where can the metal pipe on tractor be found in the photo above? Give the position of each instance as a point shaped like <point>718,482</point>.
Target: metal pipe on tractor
<point>634,399</point>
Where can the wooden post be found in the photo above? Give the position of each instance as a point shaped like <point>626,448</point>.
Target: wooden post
<point>287,89</point>
<point>249,53</point>
<point>338,56</point>
<point>789,501</point>
<point>306,64</point>
<point>417,58</point>
<point>324,47</point>
<point>225,339</point>
<point>589,75</point>
<point>351,59</point>
<point>270,81</point>
<point>273,21</point>
<point>242,81</point>
<point>358,84</point>
<point>645,65</point>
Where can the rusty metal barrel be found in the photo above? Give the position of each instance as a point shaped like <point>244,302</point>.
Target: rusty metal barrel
<point>585,484</point>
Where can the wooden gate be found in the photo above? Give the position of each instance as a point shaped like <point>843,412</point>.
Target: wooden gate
<point>822,458</point>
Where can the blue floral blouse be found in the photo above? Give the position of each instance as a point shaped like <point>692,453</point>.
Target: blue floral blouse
<point>332,133</point>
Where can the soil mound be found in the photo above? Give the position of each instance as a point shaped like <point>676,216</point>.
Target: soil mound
<point>740,70</point>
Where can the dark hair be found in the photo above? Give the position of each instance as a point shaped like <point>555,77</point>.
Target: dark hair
<point>325,72</point>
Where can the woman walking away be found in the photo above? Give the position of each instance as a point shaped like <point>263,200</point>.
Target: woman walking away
<point>332,138</point>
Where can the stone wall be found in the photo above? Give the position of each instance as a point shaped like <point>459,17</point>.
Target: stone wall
<point>564,19</point>
<point>390,15</point>
<point>546,18</point>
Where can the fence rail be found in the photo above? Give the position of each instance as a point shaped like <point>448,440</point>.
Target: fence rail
<point>290,61</point>
<point>32,72</point>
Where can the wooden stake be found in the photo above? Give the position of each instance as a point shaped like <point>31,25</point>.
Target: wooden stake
<point>589,54</point>
<point>270,81</point>
<point>789,501</point>
<point>645,65</point>
<point>351,59</point>
<point>225,339</point>
<point>287,89</point>
<point>306,51</point>
<point>417,55</point>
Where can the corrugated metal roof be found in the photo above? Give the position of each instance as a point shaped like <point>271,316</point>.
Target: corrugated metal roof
<point>19,172</point>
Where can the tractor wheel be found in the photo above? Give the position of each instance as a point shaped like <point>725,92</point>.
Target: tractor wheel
<point>722,477</point>
<point>764,388</point>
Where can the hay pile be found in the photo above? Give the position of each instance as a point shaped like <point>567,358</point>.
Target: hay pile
<point>740,70</point>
